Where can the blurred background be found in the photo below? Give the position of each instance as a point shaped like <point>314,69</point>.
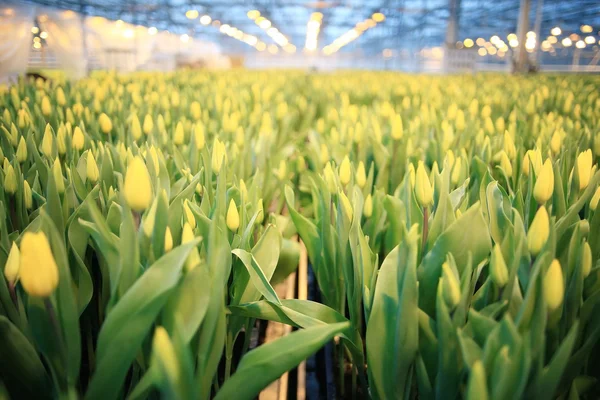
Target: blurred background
<point>75,37</point>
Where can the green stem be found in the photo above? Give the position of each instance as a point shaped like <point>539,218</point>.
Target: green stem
<point>13,295</point>
<point>57,330</point>
<point>228,354</point>
<point>425,228</point>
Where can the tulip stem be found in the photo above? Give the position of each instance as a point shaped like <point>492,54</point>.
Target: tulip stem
<point>13,295</point>
<point>425,227</point>
<point>54,321</point>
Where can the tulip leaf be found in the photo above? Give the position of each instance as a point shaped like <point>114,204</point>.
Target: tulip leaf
<point>275,358</point>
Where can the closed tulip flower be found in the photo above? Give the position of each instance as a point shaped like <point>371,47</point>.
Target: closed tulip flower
<point>218,154</point>
<point>105,123</point>
<point>58,176</point>
<point>505,164</point>
<point>233,217</point>
<point>544,185</point>
<point>361,175</point>
<point>423,189</point>
<point>554,286</point>
<point>187,236</point>
<point>179,136</point>
<point>368,206</point>
<point>584,168</point>
<point>397,127</point>
<point>148,124</point>
<point>136,127</point>
<point>22,151</point>
<point>346,206</point>
<point>498,269</point>
<point>345,171</point>
<point>10,180</point>
<point>27,195</point>
<point>78,139</point>
<point>46,106</point>
<point>47,141</point>
<point>13,264</point>
<point>450,287</point>
<point>137,187</point>
<point>329,177</point>
<point>595,200</point>
<point>92,168</point>
<point>586,259</point>
<point>168,240</point>
<point>38,270</point>
<point>538,231</point>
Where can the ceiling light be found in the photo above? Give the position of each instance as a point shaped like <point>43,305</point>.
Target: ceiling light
<point>191,14</point>
<point>205,19</point>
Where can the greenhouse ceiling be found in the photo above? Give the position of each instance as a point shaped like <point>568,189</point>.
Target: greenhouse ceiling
<point>402,24</point>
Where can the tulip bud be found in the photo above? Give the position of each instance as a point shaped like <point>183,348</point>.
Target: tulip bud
<point>456,171</point>
<point>282,170</point>
<point>397,127</point>
<point>189,216</point>
<point>584,168</point>
<point>330,178</point>
<point>13,263</point>
<point>555,142</point>
<point>345,172</point>
<point>137,187</point>
<point>368,206</point>
<point>61,140</point>
<point>509,146</point>
<point>38,270</point>
<point>544,185</point>
<point>6,116</point>
<point>58,176</point>
<point>46,106</point>
<point>554,289</point>
<point>27,195</point>
<point>105,123</point>
<point>324,154</point>
<point>261,215</point>
<point>168,240</point>
<point>194,258</point>
<point>450,287</point>
<point>361,176</point>
<point>538,231</point>
<point>22,151</point>
<point>164,351</point>
<point>505,164</point>
<point>78,139</point>
<point>586,259</point>
<point>460,121</point>
<point>595,200</point>
<point>179,136</point>
<point>346,206</point>
<point>477,387</point>
<point>423,190</point>
<point>199,135</point>
<point>233,217</point>
<point>148,124</point>
<point>136,127</point>
<point>92,168</point>
<point>301,164</point>
<point>498,269</point>
<point>60,97</point>
<point>218,153</point>
<point>47,141</point>
<point>411,175</point>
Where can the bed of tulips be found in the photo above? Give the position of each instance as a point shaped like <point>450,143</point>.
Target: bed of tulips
<point>450,223</point>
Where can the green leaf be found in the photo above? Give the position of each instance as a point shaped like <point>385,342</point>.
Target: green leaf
<point>393,329</point>
<point>275,358</point>
<point>21,370</point>
<point>130,321</point>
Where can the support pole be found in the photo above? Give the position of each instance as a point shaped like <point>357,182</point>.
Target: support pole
<point>522,60</point>
<point>537,27</point>
<point>452,27</point>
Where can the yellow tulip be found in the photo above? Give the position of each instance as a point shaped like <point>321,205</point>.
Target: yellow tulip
<point>218,154</point>
<point>595,200</point>
<point>329,177</point>
<point>193,258</point>
<point>281,172</point>
<point>136,127</point>
<point>78,139</point>
<point>505,164</point>
<point>92,171</point>
<point>538,231</point>
<point>460,121</point>
<point>584,168</point>
<point>509,146</point>
<point>498,269</point>
<point>179,136</point>
<point>450,287</point>
<point>60,97</point>
<point>58,176</point>
<point>163,350</point>
<point>361,175</point>
<point>13,264</point>
<point>556,142</point>
<point>137,187</point>
<point>368,206</point>
<point>46,106</point>
<point>544,185</point>
<point>233,217</point>
<point>38,270</point>
<point>168,240</point>
<point>586,259</point>
<point>105,123</point>
<point>189,215</point>
<point>47,141</point>
<point>554,286</point>
<point>423,189</point>
<point>346,206</point>
<point>22,151</point>
<point>397,128</point>
<point>324,153</point>
<point>27,195</point>
<point>301,164</point>
<point>199,135</point>
<point>148,124</point>
<point>345,171</point>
